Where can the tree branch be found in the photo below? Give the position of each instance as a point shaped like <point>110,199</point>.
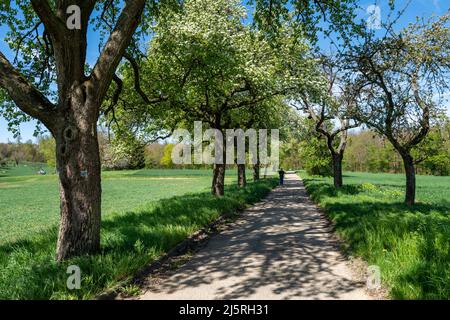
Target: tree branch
<point>115,47</point>
<point>116,95</point>
<point>24,94</point>
<point>137,82</point>
<point>160,137</point>
<point>425,121</point>
<point>53,25</point>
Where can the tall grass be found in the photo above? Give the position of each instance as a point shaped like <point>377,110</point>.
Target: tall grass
<point>130,240</point>
<point>411,245</point>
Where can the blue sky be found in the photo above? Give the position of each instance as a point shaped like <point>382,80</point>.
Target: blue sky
<point>422,8</point>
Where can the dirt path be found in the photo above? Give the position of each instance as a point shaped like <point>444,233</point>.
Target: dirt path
<point>279,249</point>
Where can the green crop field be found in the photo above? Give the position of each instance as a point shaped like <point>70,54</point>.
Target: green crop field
<point>146,212</point>
<point>137,227</point>
<point>410,245</point>
<point>30,203</point>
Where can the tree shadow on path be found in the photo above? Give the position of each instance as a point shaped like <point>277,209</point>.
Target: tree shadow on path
<point>280,249</point>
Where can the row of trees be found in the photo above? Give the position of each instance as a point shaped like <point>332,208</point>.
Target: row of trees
<point>394,85</point>
<point>226,74</point>
<point>366,151</point>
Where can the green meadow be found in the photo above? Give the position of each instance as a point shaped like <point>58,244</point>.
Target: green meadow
<point>410,245</point>
<point>30,203</point>
<point>145,214</point>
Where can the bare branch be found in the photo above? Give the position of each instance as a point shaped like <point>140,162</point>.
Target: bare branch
<point>159,137</point>
<point>137,82</point>
<point>24,94</point>
<point>116,45</point>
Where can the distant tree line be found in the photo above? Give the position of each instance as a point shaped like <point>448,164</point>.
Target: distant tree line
<point>17,152</point>
<point>366,151</point>
<point>114,154</point>
<point>370,152</point>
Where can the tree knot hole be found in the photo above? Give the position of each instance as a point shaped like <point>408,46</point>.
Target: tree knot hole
<point>70,133</point>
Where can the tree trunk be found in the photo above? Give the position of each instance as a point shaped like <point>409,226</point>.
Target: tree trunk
<point>242,180</point>
<point>218,183</point>
<point>79,169</point>
<point>73,120</point>
<point>256,171</point>
<point>337,170</point>
<point>410,194</point>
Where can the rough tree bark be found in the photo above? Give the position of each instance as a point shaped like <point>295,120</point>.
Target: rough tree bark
<point>337,169</point>
<point>73,119</point>
<point>78,165</point>
<point>337,154</point>
<point>242,179</point>
<point>257,168</point>
<point>408,163</point>
<point>218,183</point>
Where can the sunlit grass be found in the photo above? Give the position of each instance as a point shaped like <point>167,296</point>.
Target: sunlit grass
<point>130,238</point>
<point>30,203</point>
<point>410,245</point>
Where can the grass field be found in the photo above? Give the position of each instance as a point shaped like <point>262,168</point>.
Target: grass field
<point>145,214</point>
<point>410,245</point>
<point>30,203</point>
<point>24,169</point>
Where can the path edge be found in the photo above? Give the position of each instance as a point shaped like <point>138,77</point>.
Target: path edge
<point>192,244</point>
<point>355,263</point>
